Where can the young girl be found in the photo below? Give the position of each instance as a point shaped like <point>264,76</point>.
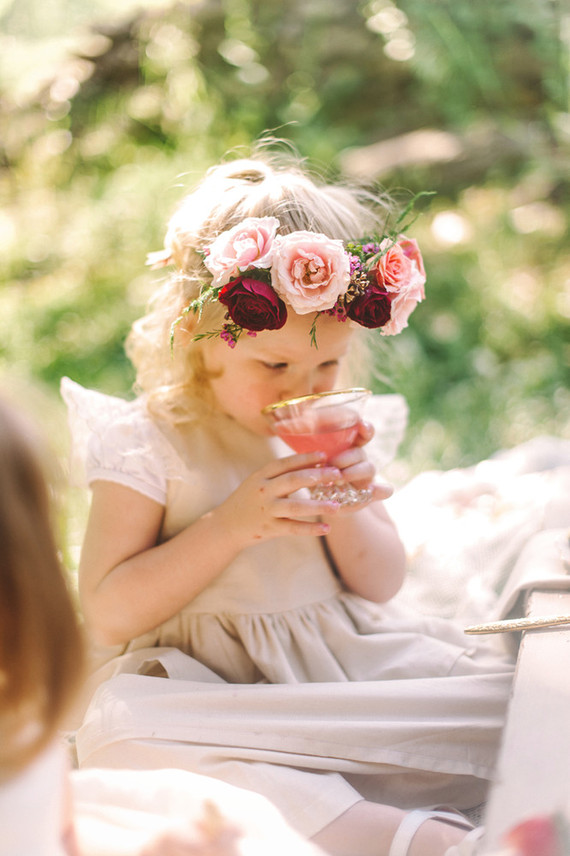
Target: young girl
<point>289,672</point>
<point>44,809</point>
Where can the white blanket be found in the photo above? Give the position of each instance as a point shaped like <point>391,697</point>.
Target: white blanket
<point>478,537</point>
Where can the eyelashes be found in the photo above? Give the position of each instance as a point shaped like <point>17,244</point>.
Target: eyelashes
<point>281,367</point>
<point>275,367</point>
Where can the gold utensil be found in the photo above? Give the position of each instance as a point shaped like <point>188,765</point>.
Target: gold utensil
<point>517,624</point>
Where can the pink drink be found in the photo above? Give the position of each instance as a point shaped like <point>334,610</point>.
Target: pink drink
<point>331,438</point>
<point>324,422</point>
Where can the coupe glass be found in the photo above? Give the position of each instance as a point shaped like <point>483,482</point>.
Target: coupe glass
<point>322,422</point>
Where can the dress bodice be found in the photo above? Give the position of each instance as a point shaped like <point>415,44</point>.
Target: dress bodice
<point>271,576</point>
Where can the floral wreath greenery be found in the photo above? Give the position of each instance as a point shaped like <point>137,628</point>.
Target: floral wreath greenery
<point>376,281</point>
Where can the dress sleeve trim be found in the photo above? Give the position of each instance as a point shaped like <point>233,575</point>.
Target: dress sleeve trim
<point>126,480</point>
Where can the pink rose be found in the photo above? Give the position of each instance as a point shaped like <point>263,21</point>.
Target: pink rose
<point>400,266</point>
<point>403,304</point>
<point>401,271</point>
<point>410,248</point>
<point>393,269</point>
<point>247,245</point>
<point>310,271</point>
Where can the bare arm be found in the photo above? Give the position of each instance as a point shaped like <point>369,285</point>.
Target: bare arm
<point>364,544</point>
<point>368,553</point>
<point>129,583</point>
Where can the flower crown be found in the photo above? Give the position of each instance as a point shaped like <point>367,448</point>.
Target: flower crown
<point>257,274</point>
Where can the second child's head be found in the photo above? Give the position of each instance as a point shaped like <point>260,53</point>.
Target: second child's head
<point>272,279</point>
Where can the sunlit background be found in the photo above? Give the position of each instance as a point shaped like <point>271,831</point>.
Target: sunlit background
<point>110,109</point>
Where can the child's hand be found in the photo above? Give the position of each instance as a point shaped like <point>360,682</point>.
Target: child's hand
<point>264,506</point>
<point>356,469</point>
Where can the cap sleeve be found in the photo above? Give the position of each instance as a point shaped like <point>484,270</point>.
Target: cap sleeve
<point>116,440</point>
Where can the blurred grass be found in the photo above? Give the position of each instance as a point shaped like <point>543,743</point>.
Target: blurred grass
<point>109,112</point>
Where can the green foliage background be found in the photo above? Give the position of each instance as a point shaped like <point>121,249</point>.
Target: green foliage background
<point>109,111</point>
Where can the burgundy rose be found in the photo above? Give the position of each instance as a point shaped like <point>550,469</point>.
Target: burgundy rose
<point>373,308</point>
<point>253,304</point>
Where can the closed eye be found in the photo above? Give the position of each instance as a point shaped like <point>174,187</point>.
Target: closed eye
<point>276,366</point>
<point>281,367</point>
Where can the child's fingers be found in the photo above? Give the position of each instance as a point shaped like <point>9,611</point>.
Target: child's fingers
<point>293,517</point>
<point>359,474</point>
<point>355,466</point>
<point>365,433</point>
<point>349,458</point>
<point>298,507</point>
<point>381,490</point>
<point>290,482</point>
<point>278,466</point>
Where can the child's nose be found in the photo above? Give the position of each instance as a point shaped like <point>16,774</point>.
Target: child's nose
<point>304,386</point>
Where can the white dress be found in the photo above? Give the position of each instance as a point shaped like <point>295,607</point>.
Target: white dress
<point>275,678</point>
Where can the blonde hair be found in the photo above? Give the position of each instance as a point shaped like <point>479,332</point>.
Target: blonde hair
<point>259,186</point>
<point>41,645</point>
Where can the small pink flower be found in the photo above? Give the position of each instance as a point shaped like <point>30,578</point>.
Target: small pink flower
<point>310,271</point>
<point>247,245</point>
